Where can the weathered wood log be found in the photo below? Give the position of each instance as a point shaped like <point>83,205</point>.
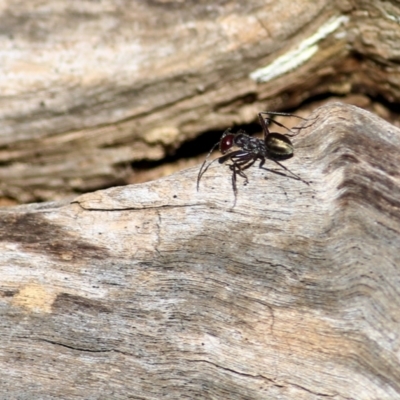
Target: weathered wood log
<point>159,291</point>
<point>87,89</point>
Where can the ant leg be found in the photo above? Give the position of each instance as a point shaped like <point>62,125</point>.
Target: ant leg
<point>240,172</point>
<point>270,120</point>
<point>202,171</point>
<point>297,177</point>
<point>274,171</point>
<point>234,187</point>
<point>293,175</point>
<point>237,170</point>
<point>241,164</point>
<point>267,121</point>
<point>303,126</point>
<point>264,122</point>
<point>281,114</point>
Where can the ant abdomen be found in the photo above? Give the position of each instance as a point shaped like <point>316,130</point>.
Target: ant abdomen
<point>279,145</point>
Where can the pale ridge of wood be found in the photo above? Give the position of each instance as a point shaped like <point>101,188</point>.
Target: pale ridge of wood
<point>158,291</point>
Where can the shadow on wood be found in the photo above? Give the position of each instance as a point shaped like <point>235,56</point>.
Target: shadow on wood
<point>158,291</point>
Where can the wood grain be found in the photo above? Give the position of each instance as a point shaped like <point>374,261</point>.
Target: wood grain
<point>159,291</point>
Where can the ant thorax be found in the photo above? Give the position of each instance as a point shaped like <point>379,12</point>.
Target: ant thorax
<point>251,145</point>
<point>242,141</point>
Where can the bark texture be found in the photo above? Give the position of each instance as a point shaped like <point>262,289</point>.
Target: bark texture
<point>87,88</point>
<point>157,291</point>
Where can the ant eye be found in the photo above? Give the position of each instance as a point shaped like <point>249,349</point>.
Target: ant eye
<point>226,143</point>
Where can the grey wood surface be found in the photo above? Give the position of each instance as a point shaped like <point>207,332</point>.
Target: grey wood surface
<point>157,291</point>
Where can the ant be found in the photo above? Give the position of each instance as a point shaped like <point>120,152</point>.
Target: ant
<point>275,146</point>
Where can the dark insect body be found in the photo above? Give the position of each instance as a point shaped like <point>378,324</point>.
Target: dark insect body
<point>274,146</point>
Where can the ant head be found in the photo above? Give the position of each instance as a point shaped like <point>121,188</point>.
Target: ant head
<point>226,142</point>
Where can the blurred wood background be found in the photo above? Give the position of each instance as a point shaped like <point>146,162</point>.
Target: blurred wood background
<point>89,90</point>
<point>159,291</point>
